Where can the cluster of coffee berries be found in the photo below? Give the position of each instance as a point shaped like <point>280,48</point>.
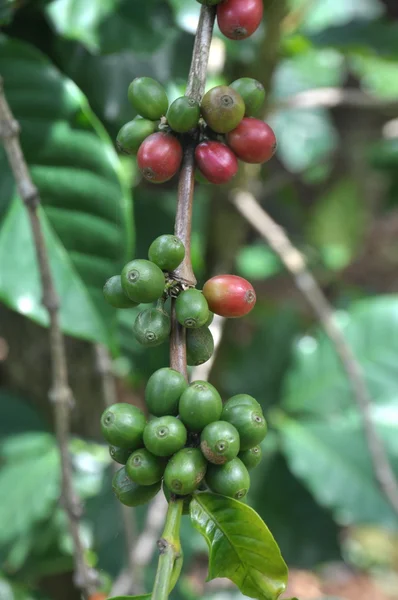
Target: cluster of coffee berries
<point>191,442</point>
<point>237,19</point>
<point>224,125</point>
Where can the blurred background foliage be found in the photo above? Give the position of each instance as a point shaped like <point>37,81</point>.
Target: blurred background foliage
<point>331,71</point>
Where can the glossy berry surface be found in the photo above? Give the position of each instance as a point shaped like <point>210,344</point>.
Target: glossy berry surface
<point>120,455</point>
<point>252,92</point>
<point>159,157</point>
<point>167,252</point>
<point>148,97</point>
<point>130,493</point>
<point>152,327</point>
<point>183,114</point>
<point>253,141</point>
<point>216,162</point>
<point>200,346</point>
<point>200,405</point>
<point>192,310</point>
<point>142,281</point>
<point>219,442</point>
<point>229,295</point>
<point>239,19</point>
<point>133,133</point>
<point>240,399</point>
<point>122,425</point>
<point>251,458</point>
<point>114,294</point>
<point>222,108</point>
<point>231,479</point>
<point>185,471</point>
<point>164,436</point>
<point>144,468</point>
<point>163,391</point>
<point>249,421</point>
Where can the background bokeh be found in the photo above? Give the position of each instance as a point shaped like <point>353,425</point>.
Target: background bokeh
<point>331,73</point>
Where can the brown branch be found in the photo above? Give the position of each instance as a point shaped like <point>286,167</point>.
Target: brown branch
<point>60,394</point>
<point>295,263</point>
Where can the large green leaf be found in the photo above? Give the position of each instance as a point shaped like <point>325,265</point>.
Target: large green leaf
<point>241,546</point>
<point>87,212</point>
<point>30,481</point>
<point>380,37</point>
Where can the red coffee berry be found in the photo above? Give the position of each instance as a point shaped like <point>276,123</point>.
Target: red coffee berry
<point>239,19</point>
<point>159,157</point>
<point>229,295</point>
<point>216,161</point>
<point>252,141</point>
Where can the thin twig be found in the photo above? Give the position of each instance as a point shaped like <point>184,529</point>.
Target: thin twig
<point>295,263</point>
<point>109,396</point>
<point>60,394</point>
<point>330,97</point>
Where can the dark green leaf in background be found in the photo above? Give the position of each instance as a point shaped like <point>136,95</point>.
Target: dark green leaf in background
<point>241,546</point>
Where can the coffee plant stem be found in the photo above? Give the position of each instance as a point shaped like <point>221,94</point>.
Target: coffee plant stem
<point>170,550</point>
<point>295,263</point>
<point>60,394</point>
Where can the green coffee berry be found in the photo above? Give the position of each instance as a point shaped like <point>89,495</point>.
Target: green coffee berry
<point>133,133</point>
<point>114,294</point>
<point>163,392</point>
<point>192,310</point>
<point>231,479</point>
<point>152,327</point>
<point>251,458</point>
<point>142,281</point>
<point>219,442</point>
<point>252,92</point>
<point>222,109</point>
<point>167,252</point>
<point>148,97</point>
<point>164,436</point>
<point>249,421</point>
<point>183,115</point>
<point>184,471</point>
<point>144,468</point>
<point>200,404</point>
<point>200,346</point>
<point>122,425</point>
<point>131,494</point>
<point>120,455</point>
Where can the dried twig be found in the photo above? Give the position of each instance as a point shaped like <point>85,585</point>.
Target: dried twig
<point>295,263</point>
<point>60,394</point>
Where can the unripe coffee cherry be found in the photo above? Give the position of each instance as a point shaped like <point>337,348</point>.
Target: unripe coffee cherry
<point>144,468</point>
<point>142,281</point>
<point>152,327</point>
<point>252,141</point>
<point>185,471</point>
<point>222,108</point>
<point>216,162</point>
<point>167,252</point>
<point>183,115</point>
<point>191,309</point>
<point>251,458</point>
<point>131,494</point>
<point>133,133</point>
<point>200,405</point>
<point>229,295</point>
<point>249,421</point>
<point>252,92</point>
<point>114,294</point>
<point>122,425</point>
<point>165,436</point>
<point>219,442</point>
<point>159,157</point>
<point>239,19</point>
<point>120,455</point>
<point>148,97</point>
<point>163,392</point>
<point>200,346</point>
<point>231,479</point>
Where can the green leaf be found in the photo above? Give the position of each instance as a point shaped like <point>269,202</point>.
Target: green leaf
<point>87,208</point>
<point>30,475</point>
<point>241,546</point>
<point>17,415</point>
<point>380,37</point>
<point>326,14</point>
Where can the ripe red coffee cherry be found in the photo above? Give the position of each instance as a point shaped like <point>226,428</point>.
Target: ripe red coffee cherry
<point>252,141</point>
<point>159,157</point>
<point>216,161</point>
<point>229,295</point>
<point>239,19</point>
